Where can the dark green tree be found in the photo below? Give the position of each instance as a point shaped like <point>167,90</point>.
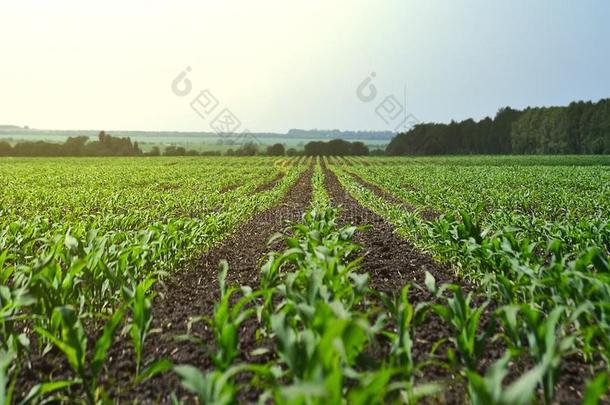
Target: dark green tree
<point>276,150</point>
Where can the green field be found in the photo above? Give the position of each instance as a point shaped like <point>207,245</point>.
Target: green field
<point>537,199</point>
<point>139,217</point>
<point>201,143</point>
<point>87,245</point>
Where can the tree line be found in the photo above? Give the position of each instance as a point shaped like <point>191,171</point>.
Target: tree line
<point>105,145</point>
<point>108,145</point>
<point>336,134</point>
<point>580,128</point>
<point>336,147</point>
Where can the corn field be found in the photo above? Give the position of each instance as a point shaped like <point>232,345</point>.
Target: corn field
<point>221,280</point>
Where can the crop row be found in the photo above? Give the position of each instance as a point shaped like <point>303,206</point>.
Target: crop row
<point>549,285</point>
<point>92,254</point>
<point>333,339</point>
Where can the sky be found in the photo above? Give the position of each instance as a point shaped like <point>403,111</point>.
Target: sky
<point>278,64</point>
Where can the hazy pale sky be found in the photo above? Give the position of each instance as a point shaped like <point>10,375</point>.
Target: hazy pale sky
<point>281,64</point>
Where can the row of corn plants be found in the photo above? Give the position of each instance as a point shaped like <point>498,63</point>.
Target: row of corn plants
<point>70,288</point>
<point>333,339</point>
<point>565,202</point>
<point>336,340</point>
<point>550,302</point>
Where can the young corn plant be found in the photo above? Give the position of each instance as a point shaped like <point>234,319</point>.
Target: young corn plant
<point>141,318</point>
<point>214,387</point>
<point>375,387</point>
<point>322,357</point>
<point>403,316</point>
<point>73,343</point>
<point>14,304</point>
<point>490,390</point>
<point>528,330</point>
<point>226,320</point>
<point>547,344</point>
<point>465,319</point>
<point>139,329</point>
<point>218,387</point>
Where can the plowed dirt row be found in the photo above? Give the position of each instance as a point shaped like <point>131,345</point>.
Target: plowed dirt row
<point>393,262</point>
<point>390,261</point>
<point>194,292</point>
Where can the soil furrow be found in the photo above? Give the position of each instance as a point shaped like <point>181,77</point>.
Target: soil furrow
<point>230,187</point>
<point>427,214</point>
<point>268,186</point>
<point>392,263</point>
<point>194,292</point>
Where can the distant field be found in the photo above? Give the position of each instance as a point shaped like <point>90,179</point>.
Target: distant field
<point>198,143</point>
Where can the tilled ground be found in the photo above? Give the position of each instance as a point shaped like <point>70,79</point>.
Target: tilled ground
<point>391,262</point>
<point>189,293</point>
<point>193,292</point>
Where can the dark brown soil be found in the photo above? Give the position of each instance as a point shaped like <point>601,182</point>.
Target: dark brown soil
<point>270,185</point>
<point>392,263</point>
<point>194,292</point>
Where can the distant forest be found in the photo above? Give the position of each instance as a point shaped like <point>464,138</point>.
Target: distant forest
<point>336,147</point>
<point>337,134</point>
<point>580,128</point>
<point>106,145</point>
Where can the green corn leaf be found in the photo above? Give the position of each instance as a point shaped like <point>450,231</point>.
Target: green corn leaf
<point>105,341</point>
<point>157,367</point>
<point>223,269</point>
<point>430,282</point>
<point>596,388</point>
<point>40,390</point>
<point>521,391</point>
<point>192,379</point>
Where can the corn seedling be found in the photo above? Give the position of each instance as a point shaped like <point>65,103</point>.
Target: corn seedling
<point>73,343</point>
